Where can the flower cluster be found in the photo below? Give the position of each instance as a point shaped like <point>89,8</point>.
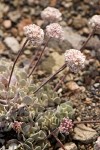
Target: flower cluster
<point>51,14</point>
<point>75,60</point>
<point>54,30</point>
<point>17,126</point>
<point>34,34</point>
<point>66,125</point>
<point>97,144</point>
<point>95,22</point>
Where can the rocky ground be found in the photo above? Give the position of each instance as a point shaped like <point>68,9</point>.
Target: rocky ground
<point>83,90</point>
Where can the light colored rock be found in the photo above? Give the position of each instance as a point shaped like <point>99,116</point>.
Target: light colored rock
<point>71,85</point>
<point>7,24</point>
<point>12,43</point>
<point>84,134</point>
<point>69,146</point>
<point>73,38</point>
<point>52,63</point>
<point>59,61</point>
<point>2,47</point>
<point>14,15</point>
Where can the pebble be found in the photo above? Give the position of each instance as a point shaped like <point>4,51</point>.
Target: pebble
<point>84,134</point>
<point>12,43</point>
<point>69,146</point>
<point>7,24</point>
<point>74,39</point>
<point>14,15</point>
<point>71,85</point>
<point>2,47</point>
<point>23,23</point>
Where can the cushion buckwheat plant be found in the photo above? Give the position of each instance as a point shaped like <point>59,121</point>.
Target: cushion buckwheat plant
<point>25,118</point>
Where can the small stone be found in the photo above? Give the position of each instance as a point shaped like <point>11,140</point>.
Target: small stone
<point>79,22</point>
<point>88,101</point>
<point>12,43</point>
<point>23,23</point>
<point>69,146</point>
<point>14,15</point>
<point>2,47</point>
<point>74,39</point>
<point>7,24</point>
<point>71,85</point>
<point>84,134</point>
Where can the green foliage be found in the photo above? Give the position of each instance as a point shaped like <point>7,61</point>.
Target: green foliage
<point>39,114</point>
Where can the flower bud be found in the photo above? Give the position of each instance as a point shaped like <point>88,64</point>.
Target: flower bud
<point>66,125</point>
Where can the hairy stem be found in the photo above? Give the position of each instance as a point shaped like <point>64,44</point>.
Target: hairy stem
<point>37,62</point>
<point>49,78</point>
<point>18,55</point>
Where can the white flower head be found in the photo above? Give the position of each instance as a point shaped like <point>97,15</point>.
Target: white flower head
<point>34,34</point>
<point>95,22</point>
<point>54,30</point>
<point>75,60</point>
<point>51,14</point>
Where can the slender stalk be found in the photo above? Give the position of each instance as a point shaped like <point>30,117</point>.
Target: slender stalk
<point>89,37</point>
<point>60,82</point>
<point>58,141</point>
<point>19,53</point>
<point>91,121</point>
<point>37,62</point>
<point>49,78</point>
<point>33,58</point>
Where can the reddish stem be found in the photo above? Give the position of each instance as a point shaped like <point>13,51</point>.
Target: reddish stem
<point>18,55</point>
<point>37,62</point>
<point>92,121</point>
<point>60,82</point>
<point>49,78</point>
<point>33,58</point>
<point>89,37</point>
<point>58,141</point>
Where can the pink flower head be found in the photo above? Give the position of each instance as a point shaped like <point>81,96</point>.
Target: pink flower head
<point>66,125</point>
<point>34,34</point>
<point>75,60</point>
<point>54,30</point>
<point>97,144</point>
<point>51,14</point>
<point>95,21</point>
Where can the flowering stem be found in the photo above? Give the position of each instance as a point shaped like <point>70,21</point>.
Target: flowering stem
<point>37,62</point>
<point>49,78</point>
<point>58,141</point>
<point>60,82</point>
<point>92,121</point>
<point>33,58</point>
<point>89,37</point>
<point>19,53</point>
